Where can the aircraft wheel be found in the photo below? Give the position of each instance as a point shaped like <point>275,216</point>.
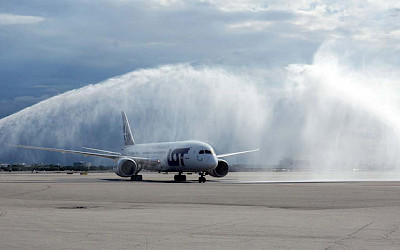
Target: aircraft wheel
<point>136,178</point>
<point>202,179</point>
<point>179,178</point>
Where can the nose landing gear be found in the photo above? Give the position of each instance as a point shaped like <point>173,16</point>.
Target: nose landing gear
<point>202,178</point>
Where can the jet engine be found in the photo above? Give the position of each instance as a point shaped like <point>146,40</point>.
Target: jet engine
<point>126,167</point>
<point>221,170</point>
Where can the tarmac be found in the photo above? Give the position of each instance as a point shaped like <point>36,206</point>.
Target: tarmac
<point>241,211</point>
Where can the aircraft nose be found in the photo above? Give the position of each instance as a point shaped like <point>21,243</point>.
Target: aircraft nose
<point>212,162</point>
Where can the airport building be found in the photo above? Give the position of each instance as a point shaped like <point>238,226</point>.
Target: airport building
<point>4,167</point>
<point>82,165</point>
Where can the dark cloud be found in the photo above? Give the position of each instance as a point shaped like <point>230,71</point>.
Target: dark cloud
<point>82,42</point>
<point>8,107</point>
<point>78,42</point>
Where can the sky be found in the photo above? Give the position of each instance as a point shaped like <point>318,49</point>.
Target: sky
<point>48,48</point>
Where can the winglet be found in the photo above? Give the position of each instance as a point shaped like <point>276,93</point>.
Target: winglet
<point>128,138</point>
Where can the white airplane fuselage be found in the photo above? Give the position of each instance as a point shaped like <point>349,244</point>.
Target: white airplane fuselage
<point>181,156</point>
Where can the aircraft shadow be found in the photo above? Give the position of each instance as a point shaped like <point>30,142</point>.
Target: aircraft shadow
<point>156,181</point>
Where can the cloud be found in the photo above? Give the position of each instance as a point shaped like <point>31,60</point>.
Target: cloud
<point>81,42</point>
<point>250,26</point>
<point>8,107</point>
<point>240,5</point>
<point>10,19</point>
<point>371,20</point>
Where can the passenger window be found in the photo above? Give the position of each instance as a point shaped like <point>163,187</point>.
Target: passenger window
<point>201,152</point>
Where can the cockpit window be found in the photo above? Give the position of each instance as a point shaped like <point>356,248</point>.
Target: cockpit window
<point>205,152</point>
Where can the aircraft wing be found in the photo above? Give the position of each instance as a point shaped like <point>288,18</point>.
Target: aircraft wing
<point>236,153</point>
<point>112,156</point>
<point>103,151</point>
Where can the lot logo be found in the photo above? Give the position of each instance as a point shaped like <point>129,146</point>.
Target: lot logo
<point>175,157</point>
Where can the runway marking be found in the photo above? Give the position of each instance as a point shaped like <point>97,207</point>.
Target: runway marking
<point>3,213</point>
<point>29,192</point>
<point>350,236</point>
<point>166,236</point>
<point>394,229</point>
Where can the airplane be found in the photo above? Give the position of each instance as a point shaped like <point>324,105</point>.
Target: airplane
<point>180,157</point>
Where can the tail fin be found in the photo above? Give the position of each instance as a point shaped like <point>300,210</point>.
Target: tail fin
<point>128,138</point>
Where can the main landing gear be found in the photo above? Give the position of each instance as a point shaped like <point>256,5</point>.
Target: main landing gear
<point>136,177</point>
<point>179,177</point>
<point>202,178</point>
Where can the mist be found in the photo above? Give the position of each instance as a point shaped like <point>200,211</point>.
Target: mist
<point>340,110</point>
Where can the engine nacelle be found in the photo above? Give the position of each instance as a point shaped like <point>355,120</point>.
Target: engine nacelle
<point>221,170</point>
<point>126,167</point>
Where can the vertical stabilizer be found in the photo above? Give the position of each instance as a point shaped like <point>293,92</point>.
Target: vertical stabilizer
<point>128,137</point>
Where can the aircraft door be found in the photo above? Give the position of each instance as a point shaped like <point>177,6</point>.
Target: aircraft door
<point>200,155</point>
<point>187,157</point>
